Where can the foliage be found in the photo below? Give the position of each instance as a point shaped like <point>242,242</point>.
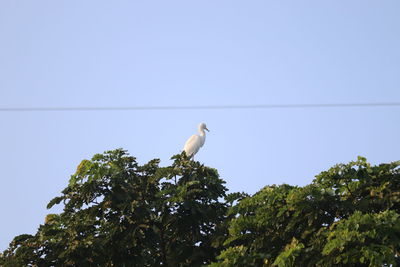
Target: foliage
<point>348,216</point>
<point>365,238</point>
<point>118,213</point>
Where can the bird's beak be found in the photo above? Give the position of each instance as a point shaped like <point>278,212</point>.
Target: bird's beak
<point>206,129</point>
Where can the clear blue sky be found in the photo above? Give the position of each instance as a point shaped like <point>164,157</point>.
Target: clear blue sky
<point>149,53</point>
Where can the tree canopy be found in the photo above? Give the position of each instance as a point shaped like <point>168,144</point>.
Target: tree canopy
<point>119,213</point>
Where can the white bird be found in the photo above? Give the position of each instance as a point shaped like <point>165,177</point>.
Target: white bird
<point>196,141</point>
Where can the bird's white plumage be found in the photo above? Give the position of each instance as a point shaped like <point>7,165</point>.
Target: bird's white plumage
<point>196,141</point>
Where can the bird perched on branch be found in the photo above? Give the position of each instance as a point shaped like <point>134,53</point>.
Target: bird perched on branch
<point>196,141</point>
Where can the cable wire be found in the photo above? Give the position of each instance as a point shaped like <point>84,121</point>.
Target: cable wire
<point>200,107</point>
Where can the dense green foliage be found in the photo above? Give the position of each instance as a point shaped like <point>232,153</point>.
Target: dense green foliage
<point>348,216</point>
<point>118,213</point>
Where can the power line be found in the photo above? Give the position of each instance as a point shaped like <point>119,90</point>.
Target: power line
<point>200,107</point>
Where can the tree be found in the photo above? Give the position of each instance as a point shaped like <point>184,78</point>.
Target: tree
<point>348,216</point>
<point>118,213</point>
